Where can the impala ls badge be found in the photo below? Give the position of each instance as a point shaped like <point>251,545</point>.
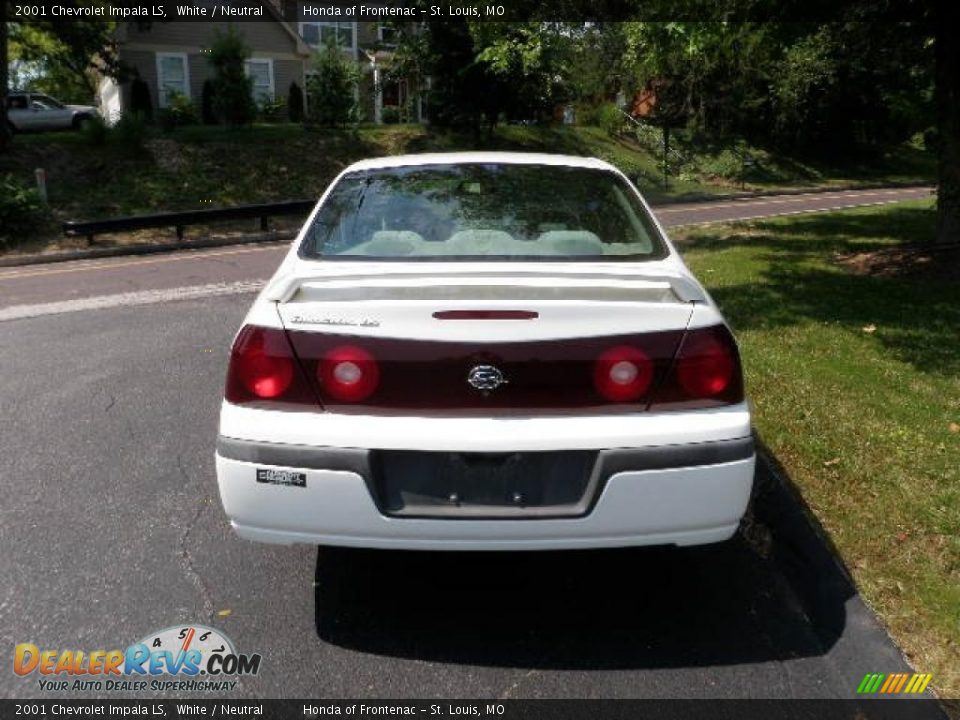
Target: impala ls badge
<point>485,378</point>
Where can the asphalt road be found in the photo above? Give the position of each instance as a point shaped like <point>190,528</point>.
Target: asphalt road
<point>112,528</point>
<point>234,268</point>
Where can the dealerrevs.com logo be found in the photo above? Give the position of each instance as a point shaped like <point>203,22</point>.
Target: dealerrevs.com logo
<point>187,658</point>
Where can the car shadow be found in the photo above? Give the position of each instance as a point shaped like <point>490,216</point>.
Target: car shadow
<point>774,591</point>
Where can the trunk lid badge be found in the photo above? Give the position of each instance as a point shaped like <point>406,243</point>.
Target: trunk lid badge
<point>485,378</point>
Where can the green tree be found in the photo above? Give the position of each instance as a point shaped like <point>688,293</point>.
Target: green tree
<point>482,71</point>
<point>525,61</point>
<point>295,103</point>
<point>332,88</point>
<point>593,61</point>
<point>461,91</point>
<point>207,114</point>
<point>140,102</point>
<point>64,58</point>
<point>65,53</point>
<point>231,89</point>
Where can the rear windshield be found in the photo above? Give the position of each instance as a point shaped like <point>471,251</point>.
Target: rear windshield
<point>482,212</point>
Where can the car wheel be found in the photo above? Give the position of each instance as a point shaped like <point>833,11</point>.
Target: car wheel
<point>81,121</point>
<point>11,128</point>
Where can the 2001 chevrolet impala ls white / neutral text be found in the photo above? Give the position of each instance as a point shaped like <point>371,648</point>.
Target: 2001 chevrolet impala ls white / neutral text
<point>484,351</point>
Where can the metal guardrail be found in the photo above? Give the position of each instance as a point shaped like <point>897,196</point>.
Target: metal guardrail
<point>180,220</point>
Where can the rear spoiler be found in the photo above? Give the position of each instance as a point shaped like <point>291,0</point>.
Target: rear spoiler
<point>282,289</point>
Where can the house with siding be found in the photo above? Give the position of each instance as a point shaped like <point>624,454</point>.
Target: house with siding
<point>171,57</point>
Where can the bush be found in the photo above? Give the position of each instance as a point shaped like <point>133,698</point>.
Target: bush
<point>610,119</point>
<point>331,88</point>
<point>232,91</point>
<point>207,116</point>
<point>295,103</point>
<point>140,102</point>
<point>390,114</point>
<point>728,163</point>
<point>22,212</point>
<point>606,116</point>
<point>273,110</point>
<point>95,131</point>
<point>130,131</point>
<point>179,111</point>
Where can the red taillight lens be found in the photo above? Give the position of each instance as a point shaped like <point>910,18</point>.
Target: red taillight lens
<point>623,373</point>
<point>263,368</point>
<point>348,373</point>
<point>706,365</point>
<point>705,373</point>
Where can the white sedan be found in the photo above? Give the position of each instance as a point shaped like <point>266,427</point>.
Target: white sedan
<point>484,351</point>
<point>35,111</point>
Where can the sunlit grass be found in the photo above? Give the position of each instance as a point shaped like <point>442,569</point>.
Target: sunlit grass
<point>856,387</point>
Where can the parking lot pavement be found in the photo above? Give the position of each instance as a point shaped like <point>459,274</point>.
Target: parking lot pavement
<point>113,529</point>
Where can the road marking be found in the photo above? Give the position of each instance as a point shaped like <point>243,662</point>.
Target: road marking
<point>110,264</point>
<point>764,216</point>
<point>107,265</point>
<point>143,297</point>
<point>746,202</point>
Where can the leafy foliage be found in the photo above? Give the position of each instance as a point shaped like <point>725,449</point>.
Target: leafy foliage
<point>22,212</point>
<point>274,110</point>
<point>331,88</point>
<point>140,102</point>
<point>178,112</point>
<point>95,131</point>
<point>130,132</point>
<point>295,103</point>
<point>391,114</point>
<point>58,56</point>
<point>232,91</point>
<point>207,116</point>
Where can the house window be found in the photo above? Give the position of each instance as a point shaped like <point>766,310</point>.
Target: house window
<point>316,34</point>
<point>387,34</point>
<point>261,71</point>
<point>173,77</point>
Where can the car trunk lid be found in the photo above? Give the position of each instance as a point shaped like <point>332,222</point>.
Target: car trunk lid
<point>536,337</point>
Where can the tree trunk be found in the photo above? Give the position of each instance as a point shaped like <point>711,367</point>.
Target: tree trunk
<point>5,136</point>
<point>948,124</point>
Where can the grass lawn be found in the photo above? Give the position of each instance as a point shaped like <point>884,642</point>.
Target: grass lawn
<point>856,383</point>
<point>200,167</point>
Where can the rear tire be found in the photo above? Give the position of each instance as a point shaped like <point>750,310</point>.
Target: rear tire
<point>81,121</point>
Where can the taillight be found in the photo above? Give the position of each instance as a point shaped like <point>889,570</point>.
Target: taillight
<point>705,372</point>
<point>705,366</point>
<point>623,373</point>
<point>348,373</point>
<point>263,368</point>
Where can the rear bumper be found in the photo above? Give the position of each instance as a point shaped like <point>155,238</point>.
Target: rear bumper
<point>682,494</point>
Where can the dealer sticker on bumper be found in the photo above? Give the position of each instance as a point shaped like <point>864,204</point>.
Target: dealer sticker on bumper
<point>281,477</point>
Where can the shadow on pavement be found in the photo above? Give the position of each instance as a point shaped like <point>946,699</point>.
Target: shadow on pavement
<point>774,591</point>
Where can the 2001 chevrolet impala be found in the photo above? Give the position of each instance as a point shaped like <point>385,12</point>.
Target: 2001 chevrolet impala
<point>484,351</point>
